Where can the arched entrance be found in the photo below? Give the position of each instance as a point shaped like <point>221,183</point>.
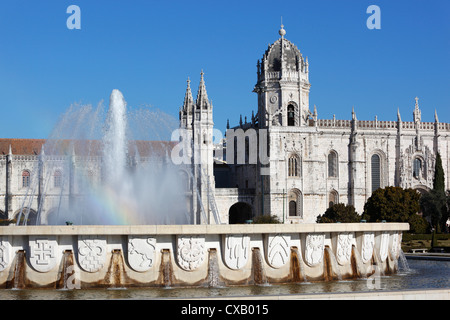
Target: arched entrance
<point>239,213</point>
<point>28,217</point>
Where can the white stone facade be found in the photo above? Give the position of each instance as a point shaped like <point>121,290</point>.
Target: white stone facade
<point>312,162</point>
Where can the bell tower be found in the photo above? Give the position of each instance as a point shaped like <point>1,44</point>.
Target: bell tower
<point>283,85</point>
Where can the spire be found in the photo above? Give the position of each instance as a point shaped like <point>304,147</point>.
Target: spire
<point>282,32</point>
<point>399,117</point>
<point>436,119</point>
<point>188,99</point>
<point>417,113</point>
<point>353,113</point>
<point>228,123</point>
<point>202,96</point>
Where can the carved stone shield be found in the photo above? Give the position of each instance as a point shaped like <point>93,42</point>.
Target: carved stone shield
<point>314,249</point>
<point>368,241</point>
<point>236,250</point>
<point>384,246</point>
<point>5,254</point>
<point>396,245</point>
<point>91,253</point>
<point>344,247</point>
<point>141,252</point>
<point>42,253</point>
<point>278,250</point>
<point>190,252</point>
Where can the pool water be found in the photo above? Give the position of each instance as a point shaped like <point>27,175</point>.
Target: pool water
<point>423,274</point>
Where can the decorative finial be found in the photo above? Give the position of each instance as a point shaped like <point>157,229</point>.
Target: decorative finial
<point>417,113</point>
<point>282,32</point>
<point>353,113</point>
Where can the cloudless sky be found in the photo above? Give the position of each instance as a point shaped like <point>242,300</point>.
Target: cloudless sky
<point>148,49</point>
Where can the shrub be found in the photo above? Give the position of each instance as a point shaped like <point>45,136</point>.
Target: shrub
<point>339,213</point>
<point>266,219</point>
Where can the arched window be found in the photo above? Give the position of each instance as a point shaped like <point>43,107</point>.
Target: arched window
<point>294,166</point>
<point>295,200</point>
<point>292,208</point>
<point>57,179</point>
<point>332,164</point>
<point>26,178</point>
<point>417,168</point>
<point>333,198</point>
<point>376,172</point>
<point>291,115</point>
<point>26,216</point>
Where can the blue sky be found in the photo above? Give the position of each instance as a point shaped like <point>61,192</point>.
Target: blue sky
<point>147,49</point>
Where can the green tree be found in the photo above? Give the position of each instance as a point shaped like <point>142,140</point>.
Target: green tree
<point>439,176</point>
<point>418,224</point>
<point>435,203</point>
<point>434,207</point>
<point>393,204</point>
<point>339,213</point>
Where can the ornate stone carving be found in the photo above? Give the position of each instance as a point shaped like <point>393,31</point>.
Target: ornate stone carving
<point>141,252</point>
<point>278,250</point>
<point>190,252</point>
<point>236,250</point>
<point>344,247</point>
<point>5,253</point>
<point>91,253</point>
<point>42,253</point>
<point>396,245</point>
<point>368,242</point>
<point>314,249</point>
<point>384,245</point>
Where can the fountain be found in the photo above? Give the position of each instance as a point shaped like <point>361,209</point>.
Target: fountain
<point>102,169</point>
<point>18,280</point>
<point>112,213</point>
<point>67,278</point>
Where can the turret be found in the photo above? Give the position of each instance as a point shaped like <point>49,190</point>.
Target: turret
<point>282,85</point>
<point>187,109</point>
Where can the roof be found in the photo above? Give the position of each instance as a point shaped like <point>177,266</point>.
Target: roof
<point>80,147</point>
<point>21,146</point>
<point>291,55</point>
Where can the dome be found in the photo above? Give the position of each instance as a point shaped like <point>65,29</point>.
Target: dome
<point>282,49</point>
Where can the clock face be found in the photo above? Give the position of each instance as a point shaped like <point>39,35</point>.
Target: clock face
<point>273,99</point>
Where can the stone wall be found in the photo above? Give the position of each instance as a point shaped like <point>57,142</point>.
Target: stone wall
<point>77,257</point>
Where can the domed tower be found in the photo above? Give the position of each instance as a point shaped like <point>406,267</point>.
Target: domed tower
<point>283,85</point>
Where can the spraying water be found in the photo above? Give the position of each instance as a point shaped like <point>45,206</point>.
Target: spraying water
<point>115,137</point>
<point>109,168</point>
